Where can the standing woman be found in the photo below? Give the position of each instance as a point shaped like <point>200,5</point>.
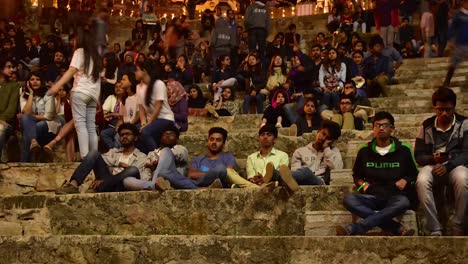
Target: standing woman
<point>156,113</point>
<point>85,67</point>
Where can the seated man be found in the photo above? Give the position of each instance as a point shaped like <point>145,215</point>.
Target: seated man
<point>111,168</point>
<point>216,164</point>
<point>270,164</point>
<point>169,163</point>
<point>441,147</point>
<point>376,69</point>
<point>383,172</point>
<point>311,164</point>
<point>345,118</point>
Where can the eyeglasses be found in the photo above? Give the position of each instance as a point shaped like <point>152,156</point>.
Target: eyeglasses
<point>346,103</point>
<point>384,125</point>
<point>443,109</point>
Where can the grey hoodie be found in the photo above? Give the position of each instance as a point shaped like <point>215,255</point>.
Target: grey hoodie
<point>257,16</point>
<point>317,162</point>
<point>223,36</point>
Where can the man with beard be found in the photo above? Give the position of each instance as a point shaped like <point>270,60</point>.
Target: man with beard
<point>442,148</point>
<point>113,167</point>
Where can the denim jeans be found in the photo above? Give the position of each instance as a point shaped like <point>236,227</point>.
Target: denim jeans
<point>33,129</point>
<point>331,100</point>
<point>5,133</point>
<point>365,206</point>
<point>108,137</point>
<point>111,183</point>
<point>167,169</point>
<point>259,98</point>
<point>84,114</point>
<point>291,113</point>
<point>304,176</point>
<point>430,187</point>
<point>150,135</point>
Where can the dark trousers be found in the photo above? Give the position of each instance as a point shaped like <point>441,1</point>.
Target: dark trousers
<point>111,183</point>
<point>257,36</point>
<point>365,206</point>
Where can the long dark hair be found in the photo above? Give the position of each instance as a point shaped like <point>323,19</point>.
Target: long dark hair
<point>39,92</point>
<point>153,79</point>
<point>87,41</point>
<point>112,64</point>
<point>337,62</point>
<point>132,79</point>
<point>3,62</point>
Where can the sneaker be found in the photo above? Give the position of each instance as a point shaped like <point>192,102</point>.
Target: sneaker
<point>67,188</point>
<point>162,184</point>
<point>278,125</point>
<point>217,184</point>
<point>269,170</point>
<point>35,147</point>
<point>293,130</point>
<point>342,231</point>
<point>212,110</point>
<point>436,233</point>
<point>288,179</point>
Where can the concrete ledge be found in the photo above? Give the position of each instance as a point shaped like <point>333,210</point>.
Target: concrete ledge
<point>232,249</point>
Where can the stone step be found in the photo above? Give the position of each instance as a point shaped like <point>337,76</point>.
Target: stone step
<point>424,93</point>
<point>193,212</point>
<point>233,249</point>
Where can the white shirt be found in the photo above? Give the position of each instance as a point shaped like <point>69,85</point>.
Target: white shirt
<point>160,94</point>
<point>131,108</point>
<point>83,82</point>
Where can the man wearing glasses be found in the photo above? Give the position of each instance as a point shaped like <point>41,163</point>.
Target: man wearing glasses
<point>345,117</point>
<point>383,174</point>
<point>442,148</point>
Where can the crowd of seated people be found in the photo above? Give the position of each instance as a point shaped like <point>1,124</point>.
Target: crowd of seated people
<point>143,100</point>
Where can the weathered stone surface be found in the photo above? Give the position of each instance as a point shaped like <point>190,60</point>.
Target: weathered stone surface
<point>232,249</point>
<point>220,212</point>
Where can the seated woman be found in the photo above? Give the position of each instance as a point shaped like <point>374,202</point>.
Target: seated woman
<point>178,102</point>
<point>201,62</point>
<point>309,119</point>
<point>226,106</point>
<point>183,71</point>
<point>274,113</point>
<point>277,75</point>
<point>112,114</point>
<point>196,102</point>
<point>224,76</point>
<point>255,80</point>
<point>68,130</point>
<point>39,121</point>
<point>332,75</point>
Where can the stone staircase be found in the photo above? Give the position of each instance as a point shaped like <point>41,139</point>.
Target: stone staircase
<point>222,226</point>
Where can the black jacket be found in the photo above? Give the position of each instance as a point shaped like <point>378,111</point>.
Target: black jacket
<point>382,172</point>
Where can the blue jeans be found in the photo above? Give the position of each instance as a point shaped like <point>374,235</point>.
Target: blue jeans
<point>5,133</point>
<point>365,206</point>
<point>167,169</point>
<point>304,176</point>
<point>108,136</point>
<point>331,100</point>
<point>291,110</point>
<point>258,98</point>
<point>33,129</point>
<point>84,114</point>
<point>150,135</point>
<point>111,183</point>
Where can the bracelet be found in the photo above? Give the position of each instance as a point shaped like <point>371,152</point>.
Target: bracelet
<point>362,186</point>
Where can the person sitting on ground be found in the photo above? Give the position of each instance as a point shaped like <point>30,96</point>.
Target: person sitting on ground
<point>383,174</point>
<point>332,76</point>
<point>183,71</point>
<point>274,113</point>
<point>309,119</point>
<point>39,121</point>
<point>224,76</point>
<point>196,102</point>
<point>111,168</point>
<point>8,101</point>
<point>177,98</point>
<point>277,75</point>
<point>53,69</point>
<point>441,147</point>
<point>112,114</point>
<point>201,62</point>
<point>226,105</point>
<point>376,69</point>
<point>168,163</point>
<point>255,81</point>
<point>345,117</point>
<point>311,165</point>
<point>270,164</point>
